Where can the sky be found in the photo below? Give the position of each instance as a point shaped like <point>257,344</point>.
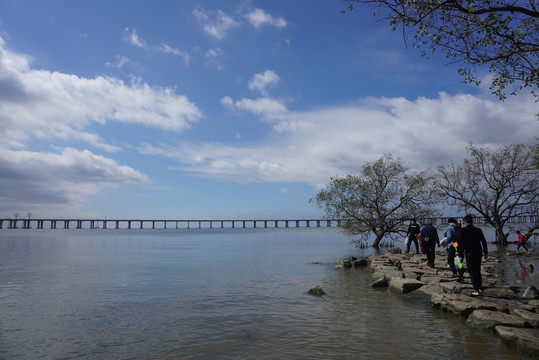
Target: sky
<point>209,109</point>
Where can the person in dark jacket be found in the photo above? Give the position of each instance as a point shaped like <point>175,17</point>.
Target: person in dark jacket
<point>413,230</point>
<point>429,237</point>
<point>474,245</point>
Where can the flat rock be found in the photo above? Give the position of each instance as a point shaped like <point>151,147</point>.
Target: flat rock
<point>487,319</point>
<point>459,304</point>
<point>526,341</point>
<point>531,318</point>
<point>404,285</point>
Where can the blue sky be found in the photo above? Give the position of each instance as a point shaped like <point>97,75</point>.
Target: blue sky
<point>214,109</point>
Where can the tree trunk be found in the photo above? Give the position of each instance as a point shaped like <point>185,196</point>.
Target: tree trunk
<point>501,239</point>
<point>376,242</point>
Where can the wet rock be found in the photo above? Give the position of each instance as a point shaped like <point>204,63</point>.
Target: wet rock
<point>404,285</point>
<point>531,318</point>
<point>380,281</point>
<point>531,293</point>
<point>526,341</point>
<point>487,319</point>
<point>459,304</point>
<point>361,263</point>
<point>316,291</point>
<point>343,263</point>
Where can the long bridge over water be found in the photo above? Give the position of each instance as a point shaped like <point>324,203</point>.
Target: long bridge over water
<point>21,223</point>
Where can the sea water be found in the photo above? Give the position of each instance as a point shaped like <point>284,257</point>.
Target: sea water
<point>211,294</point>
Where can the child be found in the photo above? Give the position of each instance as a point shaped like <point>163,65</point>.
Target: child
<point>521,241</point>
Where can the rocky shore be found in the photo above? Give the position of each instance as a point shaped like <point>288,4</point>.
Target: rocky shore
<point>511,312</point>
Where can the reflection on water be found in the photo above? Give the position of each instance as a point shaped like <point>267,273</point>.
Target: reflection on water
<point>229,294</point>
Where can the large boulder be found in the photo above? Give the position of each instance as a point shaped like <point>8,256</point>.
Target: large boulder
<point>487,319</point>
<point>404,285</point>
<point>526,341</point>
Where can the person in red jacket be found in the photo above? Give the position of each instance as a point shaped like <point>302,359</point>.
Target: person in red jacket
<point>521,241</point>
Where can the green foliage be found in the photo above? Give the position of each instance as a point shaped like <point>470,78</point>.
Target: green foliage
<point>502,35</point>
<point>378,200</point>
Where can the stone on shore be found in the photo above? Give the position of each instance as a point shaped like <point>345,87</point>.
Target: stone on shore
<point>487,319</point>
<point>495,309</point>
<point>404,285</point>
<point>526,341</point>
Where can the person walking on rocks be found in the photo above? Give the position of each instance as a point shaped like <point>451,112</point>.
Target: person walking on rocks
<point>429,236</point>
<point>521,241</point>
<point>452,233</point>
<point>413,230</point>
<point>474,245</point>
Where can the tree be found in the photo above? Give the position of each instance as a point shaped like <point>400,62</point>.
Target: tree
<point>377,200</point>
<point>500,34</point>
<point>497,185</point>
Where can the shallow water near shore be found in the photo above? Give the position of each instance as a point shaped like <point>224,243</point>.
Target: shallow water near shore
<point>214,293</point>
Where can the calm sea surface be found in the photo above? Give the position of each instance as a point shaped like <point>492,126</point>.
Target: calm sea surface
<point>211,294</point>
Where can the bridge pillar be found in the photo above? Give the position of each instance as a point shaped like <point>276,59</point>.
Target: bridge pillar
<point>117,224</point>
<point>79,224</point>
<point>265,224</point>
<point>53,224</point>
<point>66,224</point>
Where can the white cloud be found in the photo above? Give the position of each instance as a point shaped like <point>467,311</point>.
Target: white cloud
<point>43,104</point>
<point>216,23</point>
<point>263,81</point>
<point>213,58</point>
<point>49,182</point>
<point>259,18</point>
<point>164,48</point>
<point>266,107</point>
<point>130,35</point>
<point>311,146</point>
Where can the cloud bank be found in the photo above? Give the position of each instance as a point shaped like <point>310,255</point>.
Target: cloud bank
<point>52,106</point>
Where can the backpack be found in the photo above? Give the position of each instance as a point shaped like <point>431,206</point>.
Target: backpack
<point>457,234</point>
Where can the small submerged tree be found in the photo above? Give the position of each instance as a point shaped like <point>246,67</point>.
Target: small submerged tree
<point>378,199</point>
<point>497,185</point>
